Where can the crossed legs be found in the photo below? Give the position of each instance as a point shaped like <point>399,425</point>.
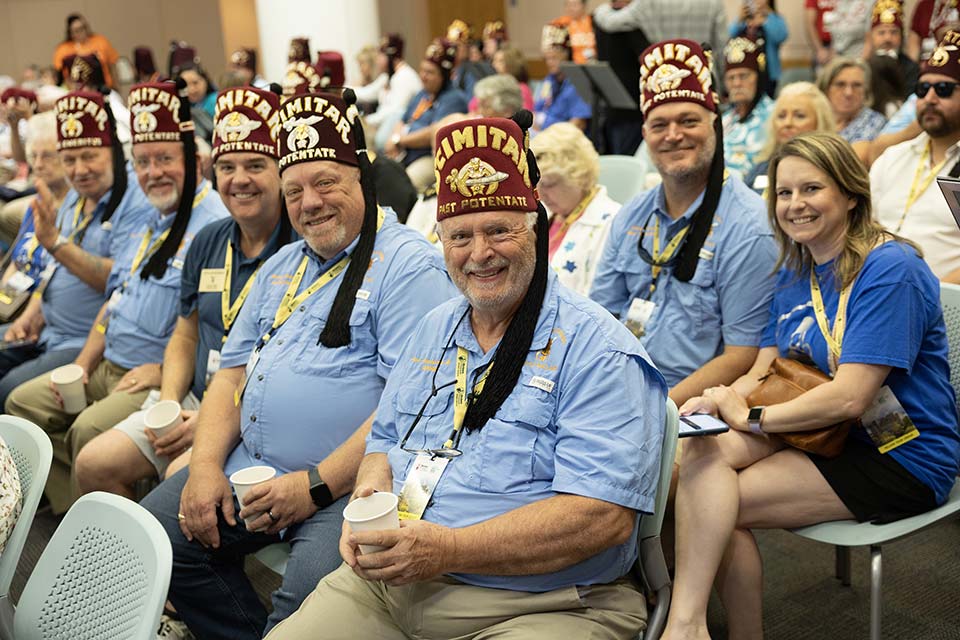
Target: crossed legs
<point>730,484</point>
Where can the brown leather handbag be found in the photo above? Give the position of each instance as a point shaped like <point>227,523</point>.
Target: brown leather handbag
<point>786,380</point>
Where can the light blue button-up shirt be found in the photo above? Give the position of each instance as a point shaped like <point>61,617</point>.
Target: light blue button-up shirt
<point>303,399</point>
<point>143,320</point>
<point>725,303</point>
<point>585,418</point>
<point>70,305</point>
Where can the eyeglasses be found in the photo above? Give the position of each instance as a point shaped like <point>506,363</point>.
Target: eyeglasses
<point>445,451</point>
<point>162,162</point>
<point>943,89</point>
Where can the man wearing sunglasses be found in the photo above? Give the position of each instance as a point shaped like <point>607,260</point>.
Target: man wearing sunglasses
<point>906,198</point>
<point>688,264</point>
<point>520,427</point>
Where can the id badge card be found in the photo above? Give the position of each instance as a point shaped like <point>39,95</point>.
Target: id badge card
<point>887,422</point>
<point>420,485</point>
<point>639,315</point>
<point>114,300</point>
<point>211,280</point>
<point>20,282</point>
<point>213,365</point>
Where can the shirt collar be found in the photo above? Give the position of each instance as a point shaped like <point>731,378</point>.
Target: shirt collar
<point>919,143</point>
<point>268,250</point>
<point>160,222</point>
<point>326,264</point>
<point>661,205</point>
<point>464,336</point>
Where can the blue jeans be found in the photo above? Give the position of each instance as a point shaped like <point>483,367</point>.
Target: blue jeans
<point>20,364</point>
<point>209,588</point>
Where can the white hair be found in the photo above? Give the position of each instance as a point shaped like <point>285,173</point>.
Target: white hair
<point>41,127</point>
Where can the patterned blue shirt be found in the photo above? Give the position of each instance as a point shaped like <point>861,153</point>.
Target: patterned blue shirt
<point>865,127</point>
<point>558,101</point>
<point>743,140</point>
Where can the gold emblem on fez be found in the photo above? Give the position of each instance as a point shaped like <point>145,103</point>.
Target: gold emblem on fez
<point>666,78</point>
<point>476,178</point>
<point>70,124</point>
<point>737,49</point>
<point>143,119</point>
<point>236,127</point>
<point>302,134</point>
<point>941,55</point>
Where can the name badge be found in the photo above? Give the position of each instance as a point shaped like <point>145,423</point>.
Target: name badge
<point>211,280</point>
<point>20,282</point>
<point>213,365</point>
<point>541,383</point>
<point>639,315</point>
<point>887,422</point>
<point>420,485</point>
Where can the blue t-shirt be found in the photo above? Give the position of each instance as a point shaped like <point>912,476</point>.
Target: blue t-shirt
<point>450,100</point>
<point>208,251</point>
<point>558,101</point>
<point>894,318</point>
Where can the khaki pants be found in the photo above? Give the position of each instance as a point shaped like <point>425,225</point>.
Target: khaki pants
<point>34,401</point>
<point>346,606</point>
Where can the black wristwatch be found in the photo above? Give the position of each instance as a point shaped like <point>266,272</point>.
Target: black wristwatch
<point>319,491</point>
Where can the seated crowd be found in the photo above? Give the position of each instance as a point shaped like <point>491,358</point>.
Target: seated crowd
<point>422,286</point>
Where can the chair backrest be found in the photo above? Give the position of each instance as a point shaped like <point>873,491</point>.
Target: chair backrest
<point>104,574</point>
<point>650,524</point>
<point>32,454</point>
<point>623,176</point>
<point>950,301</point>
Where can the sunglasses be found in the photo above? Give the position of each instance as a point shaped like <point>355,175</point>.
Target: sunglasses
<point>943,89</point>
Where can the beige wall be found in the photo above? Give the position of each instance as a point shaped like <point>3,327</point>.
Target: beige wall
<point>31,29</point>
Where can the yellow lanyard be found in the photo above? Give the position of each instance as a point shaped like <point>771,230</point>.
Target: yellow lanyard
<point>917,188</point>
<point>143,252</point>
<point>668,251</point>
<point>290,301</point>
<point>228,312</point>
<point>834,338</point>
<point>460,399</point>
<point>574,215</point>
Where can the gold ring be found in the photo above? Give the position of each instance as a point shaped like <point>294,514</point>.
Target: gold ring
<point>181,517</point>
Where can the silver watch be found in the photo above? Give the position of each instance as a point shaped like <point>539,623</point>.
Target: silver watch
<point>61,240</point>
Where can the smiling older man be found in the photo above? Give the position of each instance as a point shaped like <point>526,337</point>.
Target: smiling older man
<point>521,427</point>
<point>121,357</point>
<point>302,371</point>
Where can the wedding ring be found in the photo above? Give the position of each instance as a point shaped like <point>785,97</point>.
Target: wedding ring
<point>272,517</point>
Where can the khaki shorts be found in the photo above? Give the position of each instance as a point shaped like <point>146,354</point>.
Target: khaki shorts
<point>134,428</point>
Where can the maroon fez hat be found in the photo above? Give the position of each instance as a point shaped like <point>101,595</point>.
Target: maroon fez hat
<point>676,71</point>
<point>245,58</point>
<point>155,113</point>
<point>317,126</point>
<point>391,45</point>
<point>246,120</point>
<point>744,53</point>
<point>299,50</point>
<point>442,53</point>
<point>945,59</point>
<point>481,165</point>
<point>300,77</point>
<point>83,121</point>
<point>330,67</point>
<point>143,60</point>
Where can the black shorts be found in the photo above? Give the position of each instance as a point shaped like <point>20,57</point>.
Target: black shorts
<point>874,486</point>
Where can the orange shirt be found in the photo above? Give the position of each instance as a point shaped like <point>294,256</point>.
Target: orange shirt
<point>95,44</point>
<point>581,37</point>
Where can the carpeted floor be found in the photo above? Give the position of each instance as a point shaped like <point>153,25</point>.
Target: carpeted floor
<point>802,599</point>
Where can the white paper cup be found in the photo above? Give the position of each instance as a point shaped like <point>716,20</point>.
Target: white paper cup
<point>69,382</point>
<point>376,512</point>
<point>243,479</point>
<point>162,417</point>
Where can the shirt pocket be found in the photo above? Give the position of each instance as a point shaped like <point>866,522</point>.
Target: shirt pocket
<point>431,430</point>
<point>510,442</point>
<point>314,359</point>
<point>362,350</point>
<point>701,299</point>
<point>156,308</point>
